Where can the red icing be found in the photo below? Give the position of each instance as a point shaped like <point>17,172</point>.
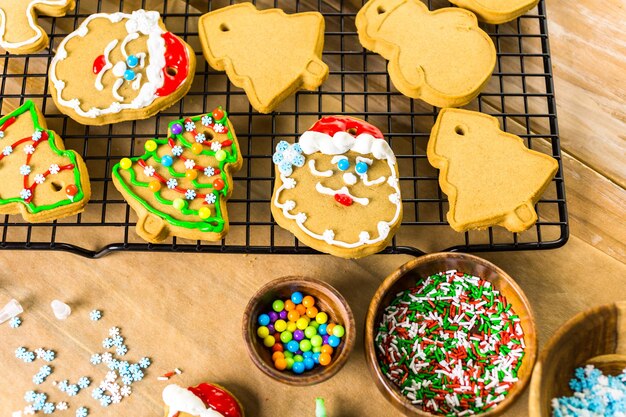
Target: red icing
<point>218,399</point>
<point>98,64</point>
<point>176,65</point>
<point>333,124</point>
<point>344,199</point>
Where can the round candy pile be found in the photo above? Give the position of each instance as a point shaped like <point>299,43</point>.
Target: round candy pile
<point>298,334</point>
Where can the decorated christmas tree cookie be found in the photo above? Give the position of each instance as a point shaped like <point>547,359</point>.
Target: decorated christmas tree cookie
<point>337,189</point>
<point>38,177</point>
<point>204,400</point>
<point>120,66</point>
<point>180,185</point>
<point>489,176</point>
<point>20,32</point>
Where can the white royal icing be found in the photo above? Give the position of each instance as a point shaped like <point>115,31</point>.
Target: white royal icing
<point>31,23</point>
<point>342,142</point>
<point>317,173</point>
<point>369,183</point>
<point>343,190</point>
<point>141,21</point>
<point>107,64</point>
<point>181,400</point>
<point>349,178</point>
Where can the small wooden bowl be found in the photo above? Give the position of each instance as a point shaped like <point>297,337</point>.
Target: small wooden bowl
<point>596,336</point>
<point>406,276</point>
<point>327,299</point>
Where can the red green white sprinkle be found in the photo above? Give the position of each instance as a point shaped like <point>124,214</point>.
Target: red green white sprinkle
<point>452,344</point>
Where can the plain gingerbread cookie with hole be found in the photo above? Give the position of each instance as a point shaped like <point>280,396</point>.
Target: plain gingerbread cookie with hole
<point>441,57</point>
<point>497,11</point>
<point>489,176</point>
<point>118,67</point>
<point>268,53</point>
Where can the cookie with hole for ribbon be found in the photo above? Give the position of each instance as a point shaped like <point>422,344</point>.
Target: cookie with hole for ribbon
<point>180,185</point>
<point>20,32</point>
<point>120,66</point>
<point>490,177</point>
<point>441,57</point>
<point>497,11</point>
<point>39,179</point>
<point>268,53</point>
<point>203,400</point>
<point>337,189</point>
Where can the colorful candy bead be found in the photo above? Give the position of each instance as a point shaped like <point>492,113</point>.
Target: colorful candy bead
<point>343,164</point>
<point>204,213</point>
<point>178,203</point>
<point>221,155</point>
<point>154,186</point>
<point>167,160</point>
<point>126,163</point>
<point>361,168</point>
<point>132,61</point>
<point>196,148</point>
<point>177,129</point>
<point>129,75</point>
<point>150,145</point>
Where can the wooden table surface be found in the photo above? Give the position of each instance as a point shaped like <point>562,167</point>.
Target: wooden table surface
<point>184,310</point>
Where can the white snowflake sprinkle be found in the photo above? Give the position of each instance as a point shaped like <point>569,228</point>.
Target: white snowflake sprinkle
<point>107,357</point>
<point>62,406</point>
<point>114,331</point>
<point>190,126</point>
<point>29,410</point>
<point>149,170</point>
<point>172,183</point>
<point>25,194</point>
<point>190,194</point>
<point>207,120</point>
<point>126,391</point>
<point>210,198</point>
<point>190,164</point>
<point>111,376</point>
<point>200,138</point>
<point>29,149</point>
<point>209,171</point>
<point>7,151</point>
<point>25,170</point>
<point>1,134</point>
<point>177,150</point>
<point>218,127</point>
<point>216,146</point>
<point>54,169</point>
<point>116,399</point>
<point>37,135</point>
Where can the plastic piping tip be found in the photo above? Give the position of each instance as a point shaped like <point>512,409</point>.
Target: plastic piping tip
<point>320,408</point>
<point>60,309</point>
<point>12,309</point>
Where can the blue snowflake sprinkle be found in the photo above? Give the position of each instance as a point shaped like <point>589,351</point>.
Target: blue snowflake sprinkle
<point>15,322</point>
<point>28,357</point>
<point>82,412</point>
<point>48,356</point>
<point>144,363</point>
<point>48,408</point>
<point>113,364</point>
<point>30,396</point>
<point>105,401</point>
<point>63,385</point>
<point>121,351</point>
<point>72,390</point>
<point>38,379</point>
<point>84,382</point>
<point>107,343</point>
<point>118,341</point>
<point>96,359</point>
<point>95,315</point>
<point>134,368</point>
<point>45,370</point>
<point>123,367</point>
<point>20,352</point>
<point>137,376</point>
<point>127,379</point>
<point>97,393</point>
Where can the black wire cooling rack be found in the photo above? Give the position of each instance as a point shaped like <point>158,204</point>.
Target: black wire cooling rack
<point>520,94</point>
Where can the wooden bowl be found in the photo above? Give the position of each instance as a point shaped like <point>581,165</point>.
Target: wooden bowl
<point>406,276</point>
<point>327,299</point>
<point>596,336</point>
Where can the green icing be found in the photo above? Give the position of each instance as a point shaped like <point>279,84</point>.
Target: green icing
<point>214,223</point>
<point>29,106</point>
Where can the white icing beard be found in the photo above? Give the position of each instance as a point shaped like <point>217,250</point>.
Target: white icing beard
<point>328,236</point>
<point>181,400</point>
<point>139,22</point>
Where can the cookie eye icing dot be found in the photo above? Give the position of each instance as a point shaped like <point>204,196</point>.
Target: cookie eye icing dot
<point>132,61</point>
<point>361,168</point>
<point>343,164</point>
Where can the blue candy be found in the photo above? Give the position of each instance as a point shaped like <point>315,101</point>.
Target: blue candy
<point>264,320</point>
<point>343,164</point>
<point>129,75</point>
<point>132,61</point>
<point>361,168</point>
<point>296,297</point>
<point>334,341</point>
<point>167,161</point>
<point>293,346</point>
<point>298,367</point>
<point>309,363</point>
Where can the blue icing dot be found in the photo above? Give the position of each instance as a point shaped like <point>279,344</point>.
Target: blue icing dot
<point>297,148</point>
<point>285,168</point>
<point>298,160</point>
<point>361,168</point>
<point>282,146</point>
<point>129,75</point>
<point>132,61</point>
<point>278,157</point>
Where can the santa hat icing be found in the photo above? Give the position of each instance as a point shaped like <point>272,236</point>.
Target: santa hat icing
<point>336,135</point>
<point>205,400</point>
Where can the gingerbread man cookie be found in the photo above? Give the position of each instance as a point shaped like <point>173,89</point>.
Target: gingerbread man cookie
<point>489,176</point>
<point>497,11</point>
<point>120,66</point>
<point>337,189</point>
<point>204,400</point>
<point>180,185</point>
<point>441,57</point>
<point>19,31</point>
<point>268,53</point>
<point>38,178</point>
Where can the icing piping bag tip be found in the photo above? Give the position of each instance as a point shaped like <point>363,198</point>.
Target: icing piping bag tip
<point>12,309</point>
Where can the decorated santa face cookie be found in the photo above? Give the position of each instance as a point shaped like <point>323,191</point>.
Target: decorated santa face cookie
<point>337,189</point>
<point>120,66</point>
<point>204,400</point>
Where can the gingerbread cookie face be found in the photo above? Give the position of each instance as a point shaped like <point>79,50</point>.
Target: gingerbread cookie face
<point>180,185</point>
<point>118,67</point>
<point>204,400</point>
<point>337,189</point>
<point>441,57</point>
<point>19,31</point>
<point>497,11</point>
<point>489,176</point>
<point>268,53</point>
<point>38,178</point>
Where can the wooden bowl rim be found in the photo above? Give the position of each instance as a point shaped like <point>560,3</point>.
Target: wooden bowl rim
<point>386,387</point>
<point>534,406</point>
<point>288,377</point>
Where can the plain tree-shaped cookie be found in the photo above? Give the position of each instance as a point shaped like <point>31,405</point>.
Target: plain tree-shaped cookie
<point>441,57</point>
<point>19,30</point>
<point>490,176</point>
<point>497,11</point>
<point>268,53</point>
